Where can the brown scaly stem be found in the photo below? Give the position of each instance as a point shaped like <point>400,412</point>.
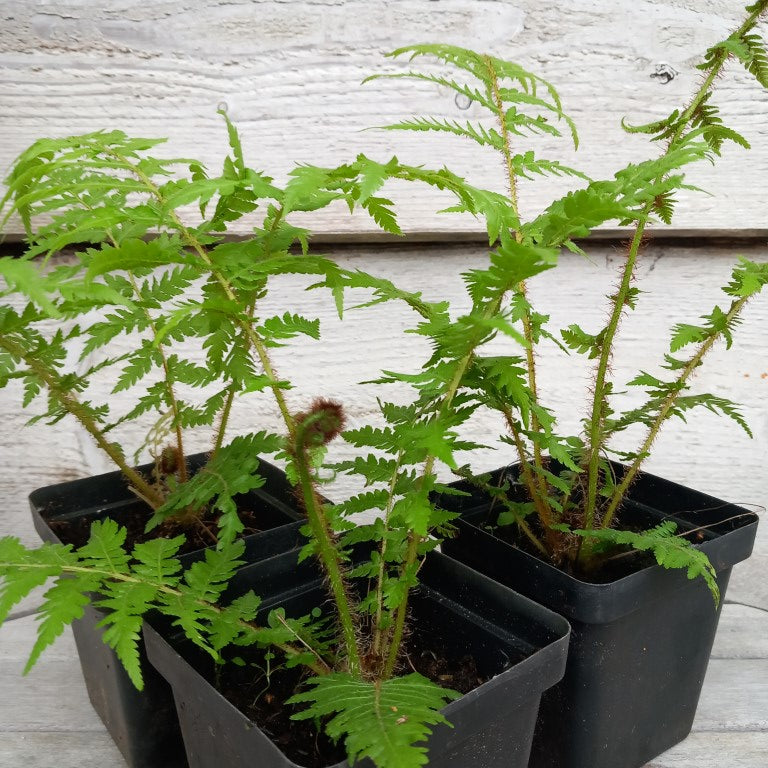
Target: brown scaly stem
<point>322,535</point>
<point>526,319</point>
<point>598,403</point>
<point>72,405</point>
<point>530,483</point>
<point>664,412</point>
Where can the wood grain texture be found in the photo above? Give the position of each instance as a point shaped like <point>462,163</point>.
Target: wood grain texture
<point>742,633</point>
<point>717,750</point>
<point>75,749</point>
<point>290,76</point>
<point>735,696</point>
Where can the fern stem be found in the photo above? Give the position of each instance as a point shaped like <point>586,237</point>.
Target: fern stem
<point>194,243</point>
<point>598,402</point>
<point>258,343</point>
<point>227,407</point>
<point>597,420</point>
<point>530,357</point>
<point>402,609</point>
<point>321,667</point>
<point>530,482</point>
<point>226,410</point>
<point>173,403</point>
<point>429,464</point>
<point>223,420</point>
<point>72,405</point>
<point>506,141</point>
<point>664,412</point>
<point>327,551</point>
<point>378,633</point>
<point>182,462</point>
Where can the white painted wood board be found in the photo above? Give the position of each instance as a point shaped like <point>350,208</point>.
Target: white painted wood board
<point>717,750</point>
<point>290,76</point>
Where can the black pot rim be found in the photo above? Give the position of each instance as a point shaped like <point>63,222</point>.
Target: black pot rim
<point>591,602</point>
<point>538,671</point>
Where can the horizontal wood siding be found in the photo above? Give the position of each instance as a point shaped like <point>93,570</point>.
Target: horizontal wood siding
<point>290,76</point>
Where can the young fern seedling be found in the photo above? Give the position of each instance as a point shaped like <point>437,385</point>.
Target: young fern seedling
<point>146,287</point>
<point>169,293</point>
<point>358,693</point>
<point>569,483</point>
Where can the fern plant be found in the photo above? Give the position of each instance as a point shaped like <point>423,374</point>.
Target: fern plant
<point>573,501</point>
<point>188,285</point>
<point>183,304</point>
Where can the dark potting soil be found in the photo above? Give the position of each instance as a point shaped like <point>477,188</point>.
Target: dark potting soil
<point>199,534</point>
<point>261,696</point>
<point>615,564</point>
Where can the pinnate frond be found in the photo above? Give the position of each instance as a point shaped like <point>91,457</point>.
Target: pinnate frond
<point>669,549</point>
<point>381,720</point>
<point>231,471</point>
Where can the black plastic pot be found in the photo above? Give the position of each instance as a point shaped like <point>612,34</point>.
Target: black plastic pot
<point>464,612</point>
<point>640,644</point>
<point>144,725</point>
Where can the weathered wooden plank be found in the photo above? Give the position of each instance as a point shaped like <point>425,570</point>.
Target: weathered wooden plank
<point>89,750</point>
<point>734,697</point>
<point>17,636</point>
<point>289,75</point>
<point>59,750</point>
<point>717,750</point>
<point>741,634</point>
<point>52,697</point>
<point>732,718</point>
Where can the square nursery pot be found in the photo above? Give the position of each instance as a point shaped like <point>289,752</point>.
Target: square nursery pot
<point>640,644</point>
<point>143,724</point>
<point>520,646</point>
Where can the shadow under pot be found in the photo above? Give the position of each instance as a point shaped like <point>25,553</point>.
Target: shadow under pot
<point>518,647</point>
<point>143,724</point>
<point>640,643</point>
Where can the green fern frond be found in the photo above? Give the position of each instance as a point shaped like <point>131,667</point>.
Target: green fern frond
<point>472,94</point>
<point>473,131</point>
<point>384,721</point>
<point>669,549</point>
<point>231,471</point>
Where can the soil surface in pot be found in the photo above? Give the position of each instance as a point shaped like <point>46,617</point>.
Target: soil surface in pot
<point>260,695</point>
<point>200,534</point>
<point>617,561</point>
